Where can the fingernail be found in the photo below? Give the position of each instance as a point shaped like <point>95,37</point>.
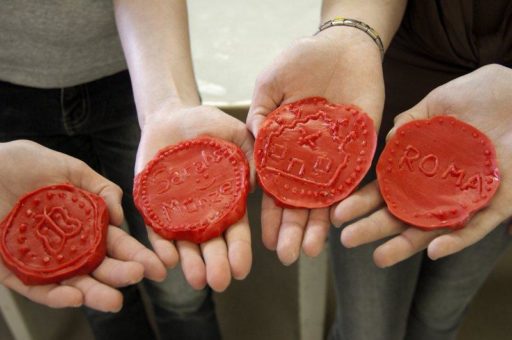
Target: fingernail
<point>433,258</point>
<point>345,238</point>
<point>117,310</point>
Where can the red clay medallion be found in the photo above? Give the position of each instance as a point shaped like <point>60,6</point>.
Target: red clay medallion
<point>54,233</point>
<point>193,190</point>
<point>436,173</point>
<point>312,153</point>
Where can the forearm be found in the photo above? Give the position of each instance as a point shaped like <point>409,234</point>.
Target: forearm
<point>155,39</point>
<point>382,15</point>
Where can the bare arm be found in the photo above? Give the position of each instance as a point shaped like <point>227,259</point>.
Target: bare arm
<point>155,39</point>
<point>344,66</point>
<point>156,44</point>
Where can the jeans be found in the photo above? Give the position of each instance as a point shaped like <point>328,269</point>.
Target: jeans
<point>97,123</point>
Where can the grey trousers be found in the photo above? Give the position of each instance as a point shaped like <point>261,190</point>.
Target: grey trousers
<point>414,300</point>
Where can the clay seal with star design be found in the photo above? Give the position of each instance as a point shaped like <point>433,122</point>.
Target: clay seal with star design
<point>312,153</point>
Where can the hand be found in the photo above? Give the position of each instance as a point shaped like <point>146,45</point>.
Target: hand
<point>26,166</point>
<point>341,64</point>
<point>217,260</point>
<point>482,99</point>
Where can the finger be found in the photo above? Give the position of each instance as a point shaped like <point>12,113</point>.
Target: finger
<point>271,215</point>
<point>254,122</point>
<point>218,272</point>
<point>117,273</point>
<point>52,295</point>
<point>419,111</point>
<point>316,231</point>
<point>477,228</point>
<point>243,138</point>
<point>290,234</point>
<point>408,243</point>
<point>378,225</point>
<point>97,295</point>
<point>164,249</point>
<point>238,238</point>
<point>86,178</point>
<point>122,246</point>
<point>358,204</point>
<point>266,98</point>
<point>192,264</point>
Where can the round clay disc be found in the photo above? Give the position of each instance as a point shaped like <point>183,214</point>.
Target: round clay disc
<point>312,153</point>
<point>54,233</point>
<point>436,173</point>
<point>193,190</point>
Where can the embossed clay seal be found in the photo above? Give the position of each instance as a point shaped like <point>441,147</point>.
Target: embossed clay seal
<point>436,173</point>
<point>54,233</point>
<point>193,190</point>
<point>312,153</point>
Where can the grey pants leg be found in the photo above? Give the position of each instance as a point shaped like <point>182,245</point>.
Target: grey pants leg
<point>418,299</point>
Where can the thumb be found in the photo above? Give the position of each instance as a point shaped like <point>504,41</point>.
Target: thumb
<point>86,178</point>
<point>419,111</point>
<point>267,96</point>
<point>243,138</point>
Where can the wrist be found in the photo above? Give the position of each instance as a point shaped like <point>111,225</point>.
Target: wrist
<point>383,16</point>
<point>163,107</point>
<point>352,41</point>
<point>357,24</point>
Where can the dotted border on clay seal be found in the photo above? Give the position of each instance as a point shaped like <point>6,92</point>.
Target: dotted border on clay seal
<point>177,148</point>
<point>83,258</point>
<point>490,164</point>
<point>357,119</point>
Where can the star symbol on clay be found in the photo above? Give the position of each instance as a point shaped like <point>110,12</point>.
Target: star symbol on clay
<point>308,138</point>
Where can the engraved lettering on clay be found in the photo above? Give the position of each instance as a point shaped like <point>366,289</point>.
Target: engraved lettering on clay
<point>454,172</point>
<point>296,165</point>
<point>208,184</point>
<point>163,185</point>
<point>322,164</point>
<point>190,205</point>
<point>429,165</point>
<point>473,182</point>
<point>277,151</point>
<point>226,188</point>
<point>308,164</point>
<point>410,154</point>
<point>177,178</point>
<point>169,207</point>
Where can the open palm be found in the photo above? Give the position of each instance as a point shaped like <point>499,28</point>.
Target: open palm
<point>216,261</point>
<point>26,166</point>
<point>317,66</point>
<point>482,99</point>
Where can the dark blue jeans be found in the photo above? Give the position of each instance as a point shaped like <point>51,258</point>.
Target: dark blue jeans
<point>97,123</point>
